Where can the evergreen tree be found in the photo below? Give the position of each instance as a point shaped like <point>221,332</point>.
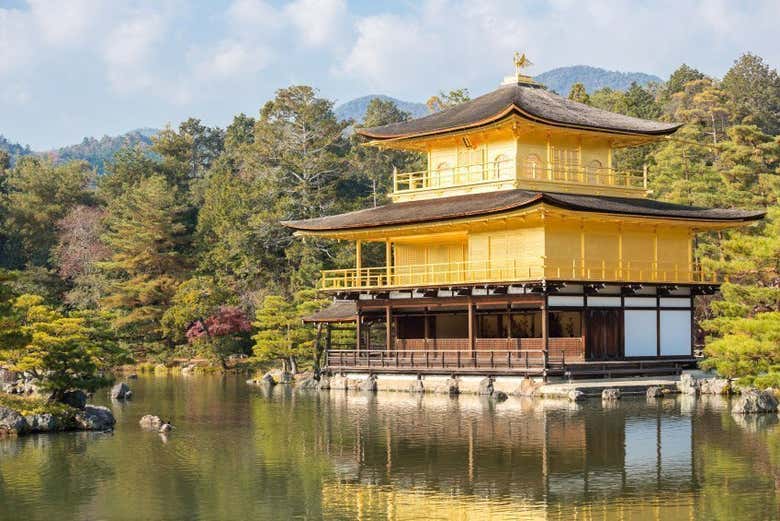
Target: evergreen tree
<point>144,233</point>
<point>579,94</point>
<point>753,91</point>
<point>444,100</point>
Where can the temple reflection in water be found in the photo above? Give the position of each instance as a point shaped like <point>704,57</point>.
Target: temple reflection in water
<point>541,459</point>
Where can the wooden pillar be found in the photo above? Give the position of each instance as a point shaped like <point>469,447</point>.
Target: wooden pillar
<point>328,337</point>
<point>359,262</point>
<point>388,329</point>
<point>358,332</point>
<point>318,349</point>
<point>426,328</point>
<point>472,341</point>
<point>545,337</point>
<point>388,261</point>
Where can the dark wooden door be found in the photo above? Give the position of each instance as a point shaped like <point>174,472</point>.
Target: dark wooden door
<point>603,334</point>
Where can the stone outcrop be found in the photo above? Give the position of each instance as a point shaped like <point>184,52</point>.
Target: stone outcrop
<point>417,386</point>
<point>11,422</point>
<point>369,384</point>
<point>268,379</point>
<point>95,418</point>
<point>150,422</point>
<point>450,386</point>
<point>720,386</point>
<point>610,395</point>
<point>76,399</point>
<point>307,383</point>
<point>654,392</point>
<point>485,387</point>
<point>499,396</point>
<point>324,383</point>
<point>527,387</point>
<point>688,384</point>
<point>43,422</point>
<point>753,401</point>
<point>121,391</point>
<point>575,395</point>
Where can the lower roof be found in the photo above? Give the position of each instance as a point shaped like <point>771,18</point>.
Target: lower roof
<point>491,203</point>
<point>337,311</point>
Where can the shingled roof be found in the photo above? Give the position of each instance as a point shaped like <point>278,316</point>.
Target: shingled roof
<point>502,201</point>
<point>338,311</point>
<point>527,100</point>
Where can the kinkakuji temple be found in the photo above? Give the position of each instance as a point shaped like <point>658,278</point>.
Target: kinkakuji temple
<point>522,248</point>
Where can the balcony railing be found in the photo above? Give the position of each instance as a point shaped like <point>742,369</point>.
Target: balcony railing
<point>510,170</point>
<point>511,270</point>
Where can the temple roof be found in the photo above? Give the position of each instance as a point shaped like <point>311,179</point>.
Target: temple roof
<point>502,201</point>
<point>527,100</point>
<point>338,311</point>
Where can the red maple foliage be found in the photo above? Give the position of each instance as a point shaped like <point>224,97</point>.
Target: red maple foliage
<point>226,321</point>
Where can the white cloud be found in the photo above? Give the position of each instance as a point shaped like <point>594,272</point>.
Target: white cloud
<point>65,23</point>
<point>231,58</point>
<point>319,22</point>
<point>253,16</point>
<point>129,50</point>
<point>16,40</point>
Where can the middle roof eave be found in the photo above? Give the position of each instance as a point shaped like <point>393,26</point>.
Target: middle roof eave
<point>491,203</point>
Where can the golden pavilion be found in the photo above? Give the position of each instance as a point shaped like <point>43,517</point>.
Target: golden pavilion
<point>522,248</point>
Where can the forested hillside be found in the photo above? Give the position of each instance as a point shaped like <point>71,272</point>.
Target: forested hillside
<point>181,252</point>
<point>561,79</point>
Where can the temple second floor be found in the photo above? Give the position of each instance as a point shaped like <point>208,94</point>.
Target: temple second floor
<point>515,236</point>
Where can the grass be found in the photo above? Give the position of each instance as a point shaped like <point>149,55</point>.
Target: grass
<point>27,405</point>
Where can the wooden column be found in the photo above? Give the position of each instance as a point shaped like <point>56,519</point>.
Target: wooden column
<point>388,261</point>
<point>472,341</point>
<point>318,349</point>
<point>358,332</point>
<point>426,328</point>
<point>358,262</point>
<point>545,337</point>
<point>388,329</point>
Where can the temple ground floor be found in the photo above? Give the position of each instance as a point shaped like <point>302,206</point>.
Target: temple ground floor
<point>570,330</point>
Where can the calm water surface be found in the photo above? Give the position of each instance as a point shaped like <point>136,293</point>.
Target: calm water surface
<point>241,453</point>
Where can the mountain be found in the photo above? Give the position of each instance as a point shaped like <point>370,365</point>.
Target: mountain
<point>356,109</point>
<point>15,150</point>
<point>97,152</point>
<point>561,79</point>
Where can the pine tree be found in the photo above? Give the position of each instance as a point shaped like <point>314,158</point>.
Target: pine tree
<point>144,234</point>
<point>579,94</point>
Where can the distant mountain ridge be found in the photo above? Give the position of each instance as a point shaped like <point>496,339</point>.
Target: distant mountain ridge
<point>356,109</point>
<point>561,79</point>
<point>99,151</point>
<point>96,152</point>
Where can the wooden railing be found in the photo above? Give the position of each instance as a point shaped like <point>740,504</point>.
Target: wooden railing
<point>511,270</point>
<point>436,359</point>
<point>509,170</point>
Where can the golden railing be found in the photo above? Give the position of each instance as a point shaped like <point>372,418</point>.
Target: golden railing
<point>509,170</point>
<point>512,270</point>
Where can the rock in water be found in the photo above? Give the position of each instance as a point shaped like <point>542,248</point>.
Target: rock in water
<point>499,396</point>
<point>12,422</point>
<point>121,391</point>
<point>151,422</point>
<point>44,422</point>
<point>268,379</point>
<point>76,399</point>
<point>654,392</point>
<point>369,384</point>
<point>527,387</point>
<point>324,383</point>
<point>575,395</point>
<point>166,427</point>
<point>485,387</point>
<point>610,395</point>
<point>715,386</point>
<point>754,401</point>
<point>308,383</point>
<point>96,418</point>
<point>417,387</point>
<point>688,384</point>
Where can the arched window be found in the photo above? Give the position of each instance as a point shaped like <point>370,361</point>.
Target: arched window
<point>533,166</point>
<point>501,167</point>
<point>594,173</point>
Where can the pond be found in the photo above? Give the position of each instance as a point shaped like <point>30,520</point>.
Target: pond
<point>241,452</point>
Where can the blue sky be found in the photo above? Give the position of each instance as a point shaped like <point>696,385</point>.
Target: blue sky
<point>75,68</point>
